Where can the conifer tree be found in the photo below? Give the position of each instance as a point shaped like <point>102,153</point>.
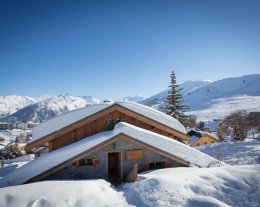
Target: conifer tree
<point>173,102</point>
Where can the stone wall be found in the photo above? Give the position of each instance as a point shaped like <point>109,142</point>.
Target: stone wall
<point>99,171</point>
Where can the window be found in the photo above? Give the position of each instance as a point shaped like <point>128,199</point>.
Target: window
<point>156,165</point>
<point>86,162</point>
<point>110,124</point>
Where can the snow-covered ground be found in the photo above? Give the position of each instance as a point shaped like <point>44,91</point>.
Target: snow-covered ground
<point>235,153</point>
<point>219,108</point>
<point>62,194</point>
<point>235,186</point>
<point>219,186</point>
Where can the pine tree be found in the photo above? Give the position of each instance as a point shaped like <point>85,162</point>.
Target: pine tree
<point>173,102</point>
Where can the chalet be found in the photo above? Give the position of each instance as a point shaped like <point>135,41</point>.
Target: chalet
<point>106,141</point>
<point>199,138</point>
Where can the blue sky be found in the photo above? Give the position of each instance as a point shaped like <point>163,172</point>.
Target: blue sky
<point>111,49</point>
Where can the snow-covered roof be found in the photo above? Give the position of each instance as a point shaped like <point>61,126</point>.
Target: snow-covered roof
<point>47,161</point>
<point>74,116</point>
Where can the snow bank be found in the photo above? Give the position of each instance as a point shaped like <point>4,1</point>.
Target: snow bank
<point>74,116</point>
<point>47,161</point>
<point>234,153</point>
<point>223,186</point>
<point>62,193</point>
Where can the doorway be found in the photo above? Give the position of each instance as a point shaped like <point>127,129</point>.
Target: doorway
<point>114,167</point>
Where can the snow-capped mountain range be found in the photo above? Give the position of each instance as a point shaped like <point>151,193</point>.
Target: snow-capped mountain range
<point>207,100</point>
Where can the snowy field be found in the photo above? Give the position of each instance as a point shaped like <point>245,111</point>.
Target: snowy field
<point>237,184</point>
<point>219,108</point>
<point>219,186</point>
<point>235,153</point>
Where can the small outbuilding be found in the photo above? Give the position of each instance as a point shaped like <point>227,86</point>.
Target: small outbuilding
<point>199,138</point>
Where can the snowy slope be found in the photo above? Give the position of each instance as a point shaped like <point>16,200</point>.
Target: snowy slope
<point>136,98</point>
<point>215,100</point>
<point>196,187</point>
<point>229,87</point>
<point>219,108</point>
<point>187,88</point>
<point>10,104</point>
<point>234,153</point>
<point>49,108</point>
<point>91,100</point>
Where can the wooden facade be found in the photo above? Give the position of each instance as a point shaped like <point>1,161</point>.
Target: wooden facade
<point>100,122</point>
<point>205,139</point>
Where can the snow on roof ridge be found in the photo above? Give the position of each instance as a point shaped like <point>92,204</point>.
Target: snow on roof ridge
<point>46,161</point>
<point>44,128</point>
<point>166,118</point>
<point>69,112</point>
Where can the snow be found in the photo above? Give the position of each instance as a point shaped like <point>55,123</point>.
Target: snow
<point>217,99</point>
<point>234,153</point>
<point>136,98</point>
<point>64,120</point>
<point>222,186</point>
<point>63,193</point>
<point>154,114</point>
<point>10,135</point>
<point>74,116</point>
<point>221,107</point>
<point>10,104</point>
<point>191,187</point>
<point>46,161</point>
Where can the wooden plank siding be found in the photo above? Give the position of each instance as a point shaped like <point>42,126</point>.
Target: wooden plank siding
<point>98,123</point>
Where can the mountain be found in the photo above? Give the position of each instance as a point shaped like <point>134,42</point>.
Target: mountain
<point>49,108</point>
<point>136,98</point>
<point>214,100</point>
<point>187,88</point>
<point>11,104</point>
<point>91,100</point>
<point>229,87</point>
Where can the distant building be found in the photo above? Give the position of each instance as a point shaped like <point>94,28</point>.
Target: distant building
<point>30,124</point>
<point>199,138</point>
<point>5,125</point>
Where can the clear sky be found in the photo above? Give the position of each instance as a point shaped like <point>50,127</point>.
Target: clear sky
<point>111,49</point>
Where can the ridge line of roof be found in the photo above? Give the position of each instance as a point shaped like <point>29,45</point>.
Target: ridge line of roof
<point>109,106</point>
